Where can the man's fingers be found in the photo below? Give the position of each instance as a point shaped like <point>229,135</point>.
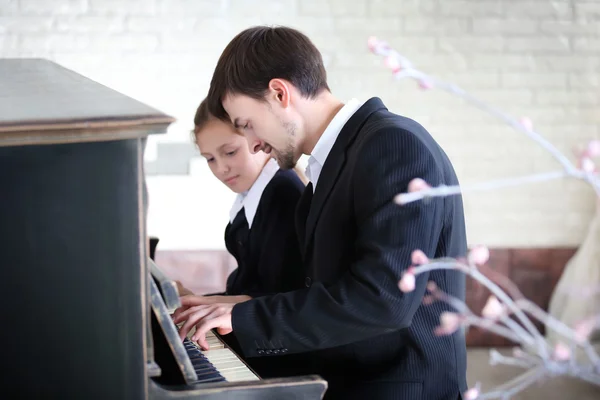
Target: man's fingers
<point>207,323</point>
<point>201,340</point>
<point>193,300</point>
<point>226,329</point>
<point>205,318</point>
<point>192,319</point>
<point>182,316</point>
<point>178,311</point>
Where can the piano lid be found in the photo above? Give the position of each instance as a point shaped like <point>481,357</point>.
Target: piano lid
<point>43,102</point>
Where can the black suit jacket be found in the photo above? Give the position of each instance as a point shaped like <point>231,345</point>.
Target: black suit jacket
<point>351,324</point>
<point>267,255</point>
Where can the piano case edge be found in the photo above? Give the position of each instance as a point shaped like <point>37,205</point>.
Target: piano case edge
<point>296,388</point>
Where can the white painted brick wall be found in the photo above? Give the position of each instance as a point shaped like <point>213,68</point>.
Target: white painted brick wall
<point>539,58</point>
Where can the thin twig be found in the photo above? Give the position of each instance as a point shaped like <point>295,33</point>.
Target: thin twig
<point>497,358</point>
<point>443,191</point>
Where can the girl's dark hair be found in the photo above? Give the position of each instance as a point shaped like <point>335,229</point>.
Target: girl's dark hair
<point>202,117</point>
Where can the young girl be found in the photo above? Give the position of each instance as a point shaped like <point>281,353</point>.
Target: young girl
<point>261,233</point>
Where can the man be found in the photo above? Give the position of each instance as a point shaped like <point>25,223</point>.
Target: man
<point>350,323</point>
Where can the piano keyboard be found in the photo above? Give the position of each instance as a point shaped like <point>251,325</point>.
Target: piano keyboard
<point>218,364</point>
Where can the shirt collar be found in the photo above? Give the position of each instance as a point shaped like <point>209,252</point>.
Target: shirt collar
<point>249,200</point>
<point>329,136</point>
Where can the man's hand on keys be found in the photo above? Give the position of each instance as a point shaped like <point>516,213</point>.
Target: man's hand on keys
<point>204,314</point>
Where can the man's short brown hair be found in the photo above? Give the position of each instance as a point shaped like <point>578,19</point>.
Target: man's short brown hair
<point>259,54</point>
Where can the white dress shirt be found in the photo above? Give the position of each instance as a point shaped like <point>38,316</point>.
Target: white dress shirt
<point>327,139</point>
<point>249,200</point>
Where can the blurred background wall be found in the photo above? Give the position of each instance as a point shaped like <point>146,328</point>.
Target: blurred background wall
<point>535,58</point>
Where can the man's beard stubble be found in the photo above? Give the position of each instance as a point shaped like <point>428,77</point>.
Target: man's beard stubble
<point>286,157</point>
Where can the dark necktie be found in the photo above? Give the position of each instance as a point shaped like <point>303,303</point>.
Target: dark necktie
<point>302,211</point>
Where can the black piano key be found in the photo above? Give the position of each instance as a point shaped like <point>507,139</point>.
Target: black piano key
<point>200,360</point>
<point>205,376</point>
<point>207,373</point>
<point>206,364</point>
<point>192,350</point>
<point>215,379</point>
<point>205,370</point>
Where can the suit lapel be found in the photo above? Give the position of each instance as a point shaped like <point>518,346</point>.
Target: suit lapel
<point>334,164</point>
<point>329,173</point>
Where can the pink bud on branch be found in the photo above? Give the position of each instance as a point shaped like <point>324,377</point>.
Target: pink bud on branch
<point>407,283</point>
<point>372,43</point>
<point>479,255</point>
<point>392,64</point>
<point>425,84</point>
<point>527,124</point>
<point>419,258</point>
<point>593,148</point>
<point>449,323</point>
<point>417,184</point>
<point>584,329</point>
<point>561,352</point>
<point>472,394</point>
<point>587,165</point>
<point>493,309</point>
<point>415,187</point>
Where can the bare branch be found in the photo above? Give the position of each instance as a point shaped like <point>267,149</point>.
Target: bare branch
<point>535,353</point>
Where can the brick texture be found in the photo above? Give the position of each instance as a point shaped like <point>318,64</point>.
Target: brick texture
<point>539,58</point>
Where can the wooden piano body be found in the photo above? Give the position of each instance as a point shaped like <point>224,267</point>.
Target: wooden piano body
<point>83,302</point>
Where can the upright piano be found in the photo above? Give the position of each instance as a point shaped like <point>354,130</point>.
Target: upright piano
<point>86,311</point>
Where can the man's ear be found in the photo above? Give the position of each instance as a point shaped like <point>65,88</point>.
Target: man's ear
<point>280,92</point>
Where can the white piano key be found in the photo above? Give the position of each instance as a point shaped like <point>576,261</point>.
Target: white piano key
<point>213,341</point>
<point>229,365</point>
<point>225,361</point>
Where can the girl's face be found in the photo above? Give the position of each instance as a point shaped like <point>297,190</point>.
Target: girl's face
<point>228,155</point>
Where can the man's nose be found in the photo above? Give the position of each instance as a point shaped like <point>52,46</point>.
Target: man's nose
<point>254,144</point>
